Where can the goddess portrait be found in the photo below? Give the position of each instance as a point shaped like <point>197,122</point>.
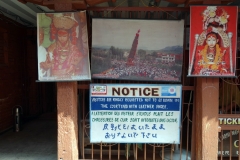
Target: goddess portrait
<point>66,56</point>
<point>213,41</point>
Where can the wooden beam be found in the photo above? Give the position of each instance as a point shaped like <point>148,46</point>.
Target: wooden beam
<point>65,5</point>
<point>67,113</point>
<point>67,120</point>
<point>206,126</point>
<point>48,2</point>
<point>211,2</point>
<point>95,2</point>
<point>192,2</point>
<point>206,120</point>
<point>79,6</point>
<point>177,1</point>
<point>152,9</point>
<point>198,2</point>
<point>39,2</point>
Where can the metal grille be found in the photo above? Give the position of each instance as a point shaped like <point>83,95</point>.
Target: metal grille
<point>137,151</point>
<point>134,151</point>
<point>229,106</point>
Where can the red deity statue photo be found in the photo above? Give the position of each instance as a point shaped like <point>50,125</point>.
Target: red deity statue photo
<point>213,39</point>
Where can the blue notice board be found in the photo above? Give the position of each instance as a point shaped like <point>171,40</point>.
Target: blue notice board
<point>135,113</point>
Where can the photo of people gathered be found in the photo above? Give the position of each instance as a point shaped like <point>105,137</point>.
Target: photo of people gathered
<point>138,52</point>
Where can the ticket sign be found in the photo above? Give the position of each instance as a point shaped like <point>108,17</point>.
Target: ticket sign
<point>135,113</point>
<point>228,138</point>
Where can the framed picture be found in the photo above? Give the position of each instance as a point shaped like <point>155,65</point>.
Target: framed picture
<point>137,49</point>
<point>213,37</point>
<point>63,47</point>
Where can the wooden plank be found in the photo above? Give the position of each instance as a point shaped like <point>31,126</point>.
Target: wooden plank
<point>67,120</point>
<point>152,9</point>
<point>67,115</point>
<point>206,110</point>
<point>211,2</point>
<point>229,116</point>
<point>230,127</point>
<point>177,1</point>
<point>206,120</point>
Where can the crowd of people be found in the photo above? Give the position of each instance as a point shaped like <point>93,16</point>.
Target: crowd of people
<point>147,69</point>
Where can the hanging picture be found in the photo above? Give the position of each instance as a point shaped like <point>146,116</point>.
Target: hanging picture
<point>213,39</point>
<point>149,50</point>
<point>63,47</point>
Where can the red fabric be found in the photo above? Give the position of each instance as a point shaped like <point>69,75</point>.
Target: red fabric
<point>197,68</point>
<point>62,32</point>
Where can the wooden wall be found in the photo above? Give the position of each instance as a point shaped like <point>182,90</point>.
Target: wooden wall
<point>11,70</point>
<point>32,87</point>
<point>18,75</point>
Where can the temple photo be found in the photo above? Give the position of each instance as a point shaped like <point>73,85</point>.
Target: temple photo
<point>141,50</point>
<point>63,53</point>
<point>213,41</point>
